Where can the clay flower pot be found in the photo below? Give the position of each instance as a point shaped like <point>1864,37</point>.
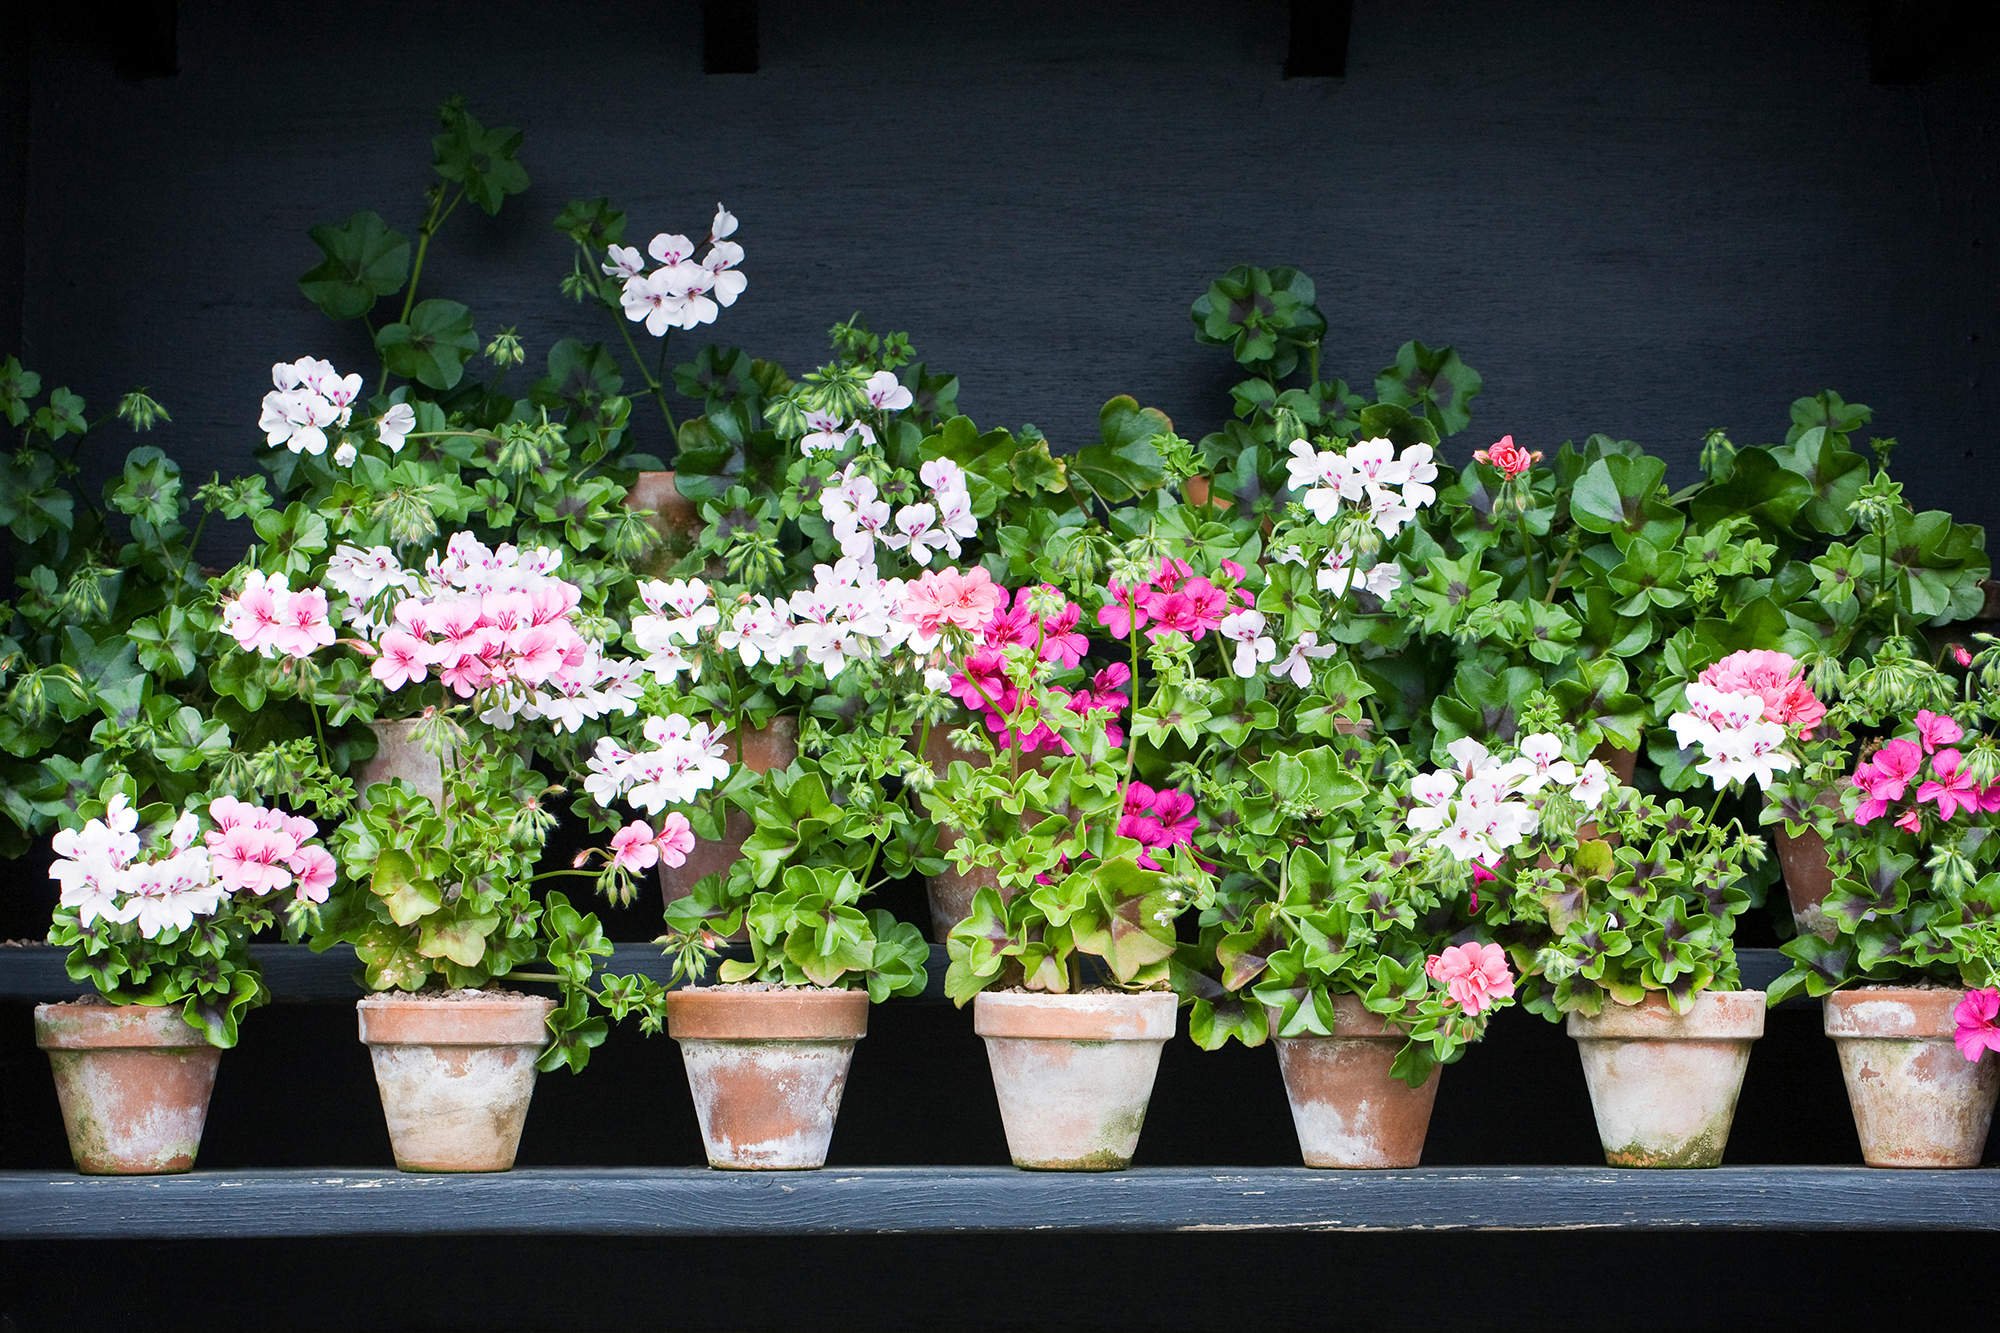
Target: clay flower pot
<point>951,891</point>
<point>1664,1085</point>
<point>455,1073</point>
<point>1348,1109</point>
<point>399,755</point>
<point>1199,490</point>
<point>675,518</point>
<point>134,1082</point>
<point>773,745</point>
<point>1622,763</point>
<point>766,1068</point>
<point>1808,877</point>
<point>1916,1100</point>
<point>1073,1073</point>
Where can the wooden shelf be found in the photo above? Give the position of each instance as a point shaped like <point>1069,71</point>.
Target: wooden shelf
<point>295,974</point>
<point>960,1200</point>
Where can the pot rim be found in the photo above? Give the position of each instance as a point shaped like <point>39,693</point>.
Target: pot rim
<point>790,1013</point>
<point>1736,1015</point>
<point>1916,1013</point>
<point>403,1019</point>
<point>71,1025</point>
<point>1112,1016</point>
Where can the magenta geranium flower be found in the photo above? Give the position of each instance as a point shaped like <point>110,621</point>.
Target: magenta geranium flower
<point>1935,729</point>
<point>1886,777</point>
<point>1952,788</point>
<point>1977,1023</point>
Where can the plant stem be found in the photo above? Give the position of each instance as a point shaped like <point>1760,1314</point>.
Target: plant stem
<point>653,386</point>
<point>424,234</point>
<point>1527,549</point>
<point>1132,740</point>
<point>1562,567</point>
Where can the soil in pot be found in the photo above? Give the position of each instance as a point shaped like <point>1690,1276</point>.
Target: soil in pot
<point>456,1071</point>
<point>1348,1109</point>
<point>774,745</point>
<point>767,1066</point>
<point>1073,1073</point>
<point>1664,1085</point>
<point>1917,1102</point>
<point>134,1082</point>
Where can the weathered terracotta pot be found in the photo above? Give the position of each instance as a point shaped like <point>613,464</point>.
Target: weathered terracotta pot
<point>1073,1073</point>
<point>1348,1109</point>
<point>1200,490</point>
<point>766,1069</point>
<point>675,518</point>
<point>1808,879</point>
<point>951,891</point>
<point>398,754</point>
<point>1664,1085</point>
<point>774,745</point>
<point>455,1074</point>
<point>134,1082</point>
<point>1917,1102</point>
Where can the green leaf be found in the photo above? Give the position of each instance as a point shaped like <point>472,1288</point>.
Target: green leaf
<point>364,260</point>
<point>1126,464</point>
<point>480,159</point>
<point>433,347</point>
<point>1433,384</point>
<point>17,386</point>
<point>407,894</point>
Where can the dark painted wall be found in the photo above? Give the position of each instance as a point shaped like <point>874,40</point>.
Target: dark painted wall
<point>1642,218</point>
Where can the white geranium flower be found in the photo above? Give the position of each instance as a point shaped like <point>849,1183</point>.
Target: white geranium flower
<point>395,425</point>
<point>626,261</point>
<point>886,393</point>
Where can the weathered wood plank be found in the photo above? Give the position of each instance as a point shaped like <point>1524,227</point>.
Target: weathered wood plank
<point>905,1200</point>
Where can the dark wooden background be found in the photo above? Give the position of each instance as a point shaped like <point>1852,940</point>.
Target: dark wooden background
<point>1642,218</point>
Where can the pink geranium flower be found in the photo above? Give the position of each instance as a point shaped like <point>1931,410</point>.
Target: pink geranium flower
<point>945,598</point>
<point>1935,729</point>
<point>983,684</point>
<point>1910,821</point>
<point>1977,1023</point>
<point>1774,678</point>
<point>312,870</point>
<point>1952,788</point>
<point>402,659</point>
<point>1886,777</point>
<point>635,847</point>
<point>676,839</point>
<point>1474,975</point>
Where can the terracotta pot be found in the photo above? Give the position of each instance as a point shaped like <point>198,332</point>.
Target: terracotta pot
<point>951,891</point>
<point>134,1082</point>
<point>1620,762</point>
<point>774,745</point>
<point>1199,491</point>
<point>1073,1073</point>
<point>399,755</point>
<point>766,1069</point>
<point>1348,1109</point>
<point>455,1075</point>
<point>1808,877</point>
<point>674,517</point>
<point>1664,1085</point>
<point>1917,1102</point>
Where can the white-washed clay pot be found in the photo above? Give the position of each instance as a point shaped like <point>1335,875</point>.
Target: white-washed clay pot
<point>1917,1102</point>
<point>1073,1073</point>
<point>773,745</point>
<point>1349,1110</point>
<point>134,1082</point>
<point>767,1069</point>
<point>1664,1085</point>
<point>455,1074</point>
<point>399,755</point>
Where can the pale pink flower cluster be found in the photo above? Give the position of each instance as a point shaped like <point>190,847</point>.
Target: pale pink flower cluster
<point>636,847</point>
<point>883,392</point>
<point>1369,475</point>
<point>271,618</point>
<point>1737,744</point>
<point>310,395</point>
<point>1476,810</point>
<point>1775,679</point>
<point>252,850</point>
<point>1473,975</point>
<point>680,293</point>
<point>683,760</point>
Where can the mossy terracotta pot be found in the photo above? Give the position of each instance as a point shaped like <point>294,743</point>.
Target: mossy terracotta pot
<point>1073,1073</point>
<point>674,517</point>
<point>767,1069</point>
<point>1917,1102</point>
<point>1349,1110</point>
<point>134,1082</point>
<point>1808,877</point>
<point>1664,1085</point>
<point>455,1073</point>
<point>398,754</point>
<point>761,749</point>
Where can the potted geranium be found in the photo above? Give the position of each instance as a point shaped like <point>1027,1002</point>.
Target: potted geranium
<point>1619,910</point>
<point>1909,963</point>
<point>157,910</point>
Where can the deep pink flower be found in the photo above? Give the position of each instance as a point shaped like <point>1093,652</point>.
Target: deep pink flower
<point>1481,875</point>
<point>1474,975</point>
<point>1773,677</point>
<point>1952,789</point>
<point>1138,798</point>
<point>634,847</point>
<point>1935,729</point>
<point>1170,573</point>
<point>1122,611</point>
<point>1886,777</point>
<point>1909,821</point>
<point>676,839</point>
<point>1960,656</point>
<point>1977,1023</point>
<point>1989,798</point>
<point>1194,608</point>
<point>983,685</point>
